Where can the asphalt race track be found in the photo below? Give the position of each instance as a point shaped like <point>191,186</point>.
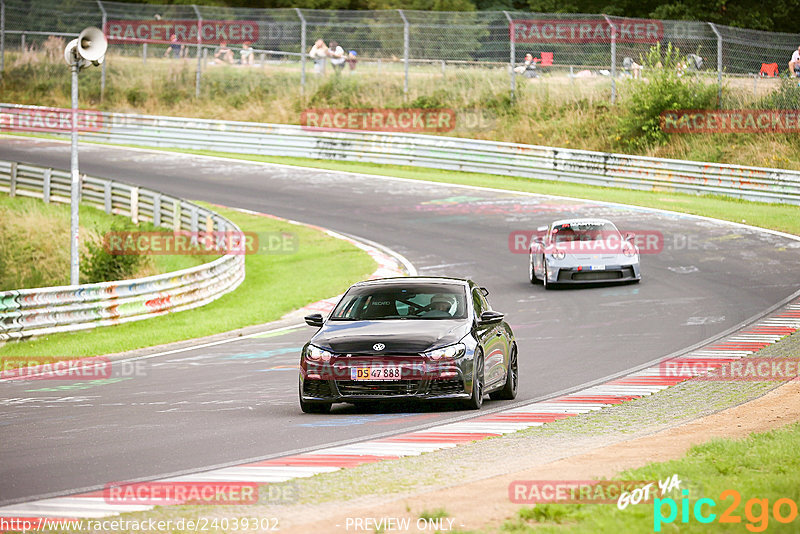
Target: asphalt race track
<point>236,401</point>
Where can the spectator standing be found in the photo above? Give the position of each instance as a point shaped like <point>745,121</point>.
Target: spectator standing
<point>319,53</point>
<point>224,53</point>
<point>337,56</point>
<point>794,64</point>
<point>352,59</point>
<point>246,54</point>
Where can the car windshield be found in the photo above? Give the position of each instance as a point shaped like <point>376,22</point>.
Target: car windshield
<point>374,303</point>
<point>584,231</point>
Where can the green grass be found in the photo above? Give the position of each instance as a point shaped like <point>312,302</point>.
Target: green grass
<point>275,284</point>
<point>34,243</point>
<point>784,218</point>
<point>761,466</point>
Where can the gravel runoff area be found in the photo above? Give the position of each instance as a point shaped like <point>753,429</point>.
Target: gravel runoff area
<point>470,482</point>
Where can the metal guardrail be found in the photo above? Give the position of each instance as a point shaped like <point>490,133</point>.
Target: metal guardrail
<point>30,312</point>
<point>429,151</point>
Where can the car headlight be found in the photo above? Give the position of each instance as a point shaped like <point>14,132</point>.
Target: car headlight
<point>447,353</point>
<point>629,250</point>
<point>559,254</point>
<point>316,354</point>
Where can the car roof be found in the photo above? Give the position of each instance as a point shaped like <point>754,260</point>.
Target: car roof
<point>401,280</point>
<point>581,220</point>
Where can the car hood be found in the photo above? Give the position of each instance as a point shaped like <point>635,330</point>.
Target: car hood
<point>400,336</point>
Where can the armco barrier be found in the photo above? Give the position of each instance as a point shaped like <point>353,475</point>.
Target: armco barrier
<point>30,312</point>
<point>438,152</point>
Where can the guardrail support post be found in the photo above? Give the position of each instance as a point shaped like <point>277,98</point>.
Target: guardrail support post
<point>193,227</point>
<point>406,46</point>
<point>156,210</point>
<point>176,216</point>
<point>513,54</point>
<point>303,45</point>
<point>199,53</point>
<point>107,205</point>
<point>12,188</point>
<point>46,176</point>
<point>135,205</point>
<point>103,67</point>
<point>719,63</point>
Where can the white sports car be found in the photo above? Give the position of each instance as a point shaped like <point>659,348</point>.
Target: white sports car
<point>581,251</point>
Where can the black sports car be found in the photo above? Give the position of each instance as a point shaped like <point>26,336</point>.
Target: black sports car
<point>430,338</point>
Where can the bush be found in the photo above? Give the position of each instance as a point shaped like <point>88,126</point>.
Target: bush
<point>786,96</point>
<point>667,88</point>
<point>99,265</point>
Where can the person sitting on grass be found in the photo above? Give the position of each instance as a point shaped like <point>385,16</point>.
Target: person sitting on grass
<point>224,53</point>
<point>246,54</point>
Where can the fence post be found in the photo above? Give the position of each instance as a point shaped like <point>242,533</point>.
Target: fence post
<point>405,49</point>
<point>303,45</point>
<point>613,59</point>
<point>144,53</point>
<point>2,37</point>
<point>719,63</point>
<point>513,54</point>
<point>46,176</point>
<point>103,67</point>
<point>199,53</point>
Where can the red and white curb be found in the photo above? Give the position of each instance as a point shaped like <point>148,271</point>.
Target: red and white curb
<point>638,384</point>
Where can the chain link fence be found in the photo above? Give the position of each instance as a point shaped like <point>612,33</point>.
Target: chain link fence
<point>401,44</point>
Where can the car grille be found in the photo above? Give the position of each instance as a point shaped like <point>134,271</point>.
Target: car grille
<point>446,387</point>
<point>316,388</point>
<point>596,275</point>
<point>353,388</point>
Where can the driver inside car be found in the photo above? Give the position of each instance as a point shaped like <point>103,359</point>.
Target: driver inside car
<point>442,303</point>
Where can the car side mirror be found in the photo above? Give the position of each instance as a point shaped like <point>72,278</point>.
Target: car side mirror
<point>315,319</point>
<point>490,317</point>
<point>484,292</point>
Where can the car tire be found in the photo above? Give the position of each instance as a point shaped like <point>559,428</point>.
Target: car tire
<point>532,274</point>
<point>509,391</point>
<point>313,407</point>
<point>476,399</point>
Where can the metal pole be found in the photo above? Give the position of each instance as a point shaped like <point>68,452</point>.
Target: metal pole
<point>719,63</point>
<point>199,53</point>
<point>2,37</point>
<point>103,68</point>
<point>513,56</point>
<point>405,49</point>
<point>613,59</point>
<point>303,45</point>
<point>75,188</point>
<point>144,53</point>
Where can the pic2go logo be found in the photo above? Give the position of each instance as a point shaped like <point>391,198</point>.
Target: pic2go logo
<point>757,511</point>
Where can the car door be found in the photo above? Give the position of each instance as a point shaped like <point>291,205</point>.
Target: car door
<point>491,339</point>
